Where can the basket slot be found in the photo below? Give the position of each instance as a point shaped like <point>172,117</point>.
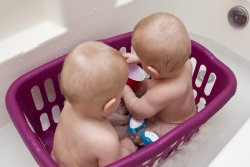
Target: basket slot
<point>56,113</point>
<point>201,104</point>
<point>195,71</point>
<point>44,120</point>
<point>132,50</point>
<point>123,50</point>
<point>199,79</point>
<point>58,88</point>
<point>194,62</point>
<point>50,90</point>
<point>37,97</point>
<point>209,86</point>
<point>194,93</point>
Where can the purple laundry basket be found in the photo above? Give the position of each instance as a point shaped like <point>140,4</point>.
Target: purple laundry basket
<point>34,102</point>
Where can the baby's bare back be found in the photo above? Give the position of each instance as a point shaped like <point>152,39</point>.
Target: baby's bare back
<point>177,100</point>
<point>70,147</point>
<point>177,96</point>
<point>77,142</point>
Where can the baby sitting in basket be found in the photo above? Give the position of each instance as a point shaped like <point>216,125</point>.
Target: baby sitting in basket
<point>165,100</point>
<point>84,137</point>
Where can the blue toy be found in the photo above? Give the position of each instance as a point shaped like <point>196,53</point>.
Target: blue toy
<point>148,137</point>
<point>135,125</point>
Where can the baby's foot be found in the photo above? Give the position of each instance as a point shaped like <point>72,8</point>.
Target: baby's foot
<point>122,131</point>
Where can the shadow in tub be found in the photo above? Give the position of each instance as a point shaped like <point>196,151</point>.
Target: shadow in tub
<point>35,113</point>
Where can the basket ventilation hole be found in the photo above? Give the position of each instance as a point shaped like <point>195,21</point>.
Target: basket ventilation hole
<point>122,50</point>
<point>194,62</point>
<point>173,145</point>
<point>56,113</point>
<point>37,97</point>
<point>50,90</point>
<point>156,162</point>
<point>44,121</point>
<point>168,153</point>
<point>58,79</point>
<point>181,144</point>
<point>160,154</point>
<point>194,93</point>
<point>132,50</point>
<point>210,84</point>
<point>201,104</point>
<point>200,76</point>
<point>146,162</point>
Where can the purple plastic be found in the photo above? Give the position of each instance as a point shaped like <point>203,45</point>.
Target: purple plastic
<point>21,107</point>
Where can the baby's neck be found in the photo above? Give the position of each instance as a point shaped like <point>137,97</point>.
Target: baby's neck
<point>86,112</point>
<point>171,75</point>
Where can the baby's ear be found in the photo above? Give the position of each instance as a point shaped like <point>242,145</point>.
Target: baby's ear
<point>153,72</point>
<point>109,106</point>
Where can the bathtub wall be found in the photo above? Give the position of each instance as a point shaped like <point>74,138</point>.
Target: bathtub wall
<point>209,18</point>
<point>34,32</point>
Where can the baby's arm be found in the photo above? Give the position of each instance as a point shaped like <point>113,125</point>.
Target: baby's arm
<point>117,119</point>
<point>144,107</point>
<point>112,149</point>
<point>131,58</point>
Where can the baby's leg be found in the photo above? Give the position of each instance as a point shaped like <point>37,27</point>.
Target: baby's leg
<point>122,131</point>
<point>158,126</point>
<point>128,146</point>
<point>120,120</point>
<point>120,117</point>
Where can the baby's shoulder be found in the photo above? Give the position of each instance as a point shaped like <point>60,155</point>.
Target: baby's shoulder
<point>104,136</point>
<point>106,143</point>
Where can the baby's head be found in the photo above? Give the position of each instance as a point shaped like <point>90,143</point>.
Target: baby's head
<point>162,43</point>
<point>94,74</point>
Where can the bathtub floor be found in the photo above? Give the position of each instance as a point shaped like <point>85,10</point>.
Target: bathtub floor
<point>200,151</point>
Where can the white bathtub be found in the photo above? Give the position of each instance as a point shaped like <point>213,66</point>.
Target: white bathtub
<point>59,25</point>
<point>201,150</point>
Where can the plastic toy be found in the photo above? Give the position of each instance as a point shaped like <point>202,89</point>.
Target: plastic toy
<point>135,75</point>
<point>148,137</point>
<point>135,125</point>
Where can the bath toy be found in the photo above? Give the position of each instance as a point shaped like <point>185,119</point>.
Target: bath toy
<point>136,74</point>
<point>135,125</point>
<point>148,137</point>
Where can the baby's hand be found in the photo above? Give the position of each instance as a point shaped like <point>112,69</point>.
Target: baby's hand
<point>117,119</point>
<point>131,58</point>
<point>126,90</point>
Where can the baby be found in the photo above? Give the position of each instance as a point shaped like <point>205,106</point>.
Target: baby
<point>166,99</point>
<point>92,80</point>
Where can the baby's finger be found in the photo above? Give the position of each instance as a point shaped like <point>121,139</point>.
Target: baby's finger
<point>128,57</point>
<point>125,55</point>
